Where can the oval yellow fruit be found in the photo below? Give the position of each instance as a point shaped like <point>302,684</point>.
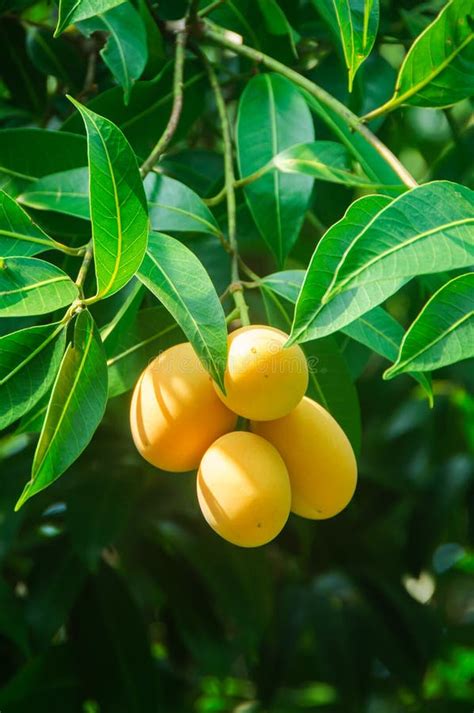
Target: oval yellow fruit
<point>320,460</point>
<point>243,489</point>
<point>175,413</point>
<point>263,381</point>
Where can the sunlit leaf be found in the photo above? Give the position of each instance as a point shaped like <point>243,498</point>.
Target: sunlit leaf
<point>30,286</point>
<point>176,277</point>
<point>19,236</point>
<point>117,204</point>
<point>29,360</point>
<point>443,332</point>
<point>71,11</point>
<point>75,409</point>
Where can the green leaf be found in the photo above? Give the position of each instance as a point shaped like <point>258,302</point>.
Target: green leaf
<point>71,11</point>
<point>381,333</point>
<point>355,24</point>
<point>439,68</point>
<point>145,116</point>
<point>126,50</point>
<point>443,332</point>
<point>330,383</point>
<point>277,202</point>
<point>323,160</point>
<point>30,286</point>
<point>117,204</point>
<point>19,236</point>
<point>56,57</point>
<point>29,361</point>
<point>372,163</point>
<point>28,154</point>
<point>376,329</point>
<point>174,206</point>
<point>428,229</point>
<point>329,252</point>
<point>64,192</point>
<point>75,409</point>
<point>152,331</point>
<point>176,277</point>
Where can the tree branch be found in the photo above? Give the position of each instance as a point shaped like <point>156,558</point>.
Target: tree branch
<point>173,121</point>
<point>353,121</point>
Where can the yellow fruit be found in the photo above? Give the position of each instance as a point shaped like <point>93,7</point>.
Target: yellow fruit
<point>175,414</point>
<point>243,489</point>
<point>263,381</point>
<point>320,460</point>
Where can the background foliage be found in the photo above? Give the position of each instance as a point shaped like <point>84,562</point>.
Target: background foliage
<point>117,117</point>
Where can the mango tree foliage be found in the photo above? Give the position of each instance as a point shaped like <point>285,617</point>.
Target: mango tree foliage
<point>305,165</point>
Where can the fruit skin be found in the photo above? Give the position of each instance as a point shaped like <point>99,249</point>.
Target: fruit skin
<point>320,460</point>
<point>243,489</point>
<point>175,414</point>
<point>263,381</point>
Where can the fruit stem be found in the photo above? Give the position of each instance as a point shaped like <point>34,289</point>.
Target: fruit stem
<point>238,290</point>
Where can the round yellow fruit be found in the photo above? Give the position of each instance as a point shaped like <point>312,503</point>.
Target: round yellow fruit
<point>320,460</point>
<point>263,381</point>
<point>243,489</point>
<point>175,414</point>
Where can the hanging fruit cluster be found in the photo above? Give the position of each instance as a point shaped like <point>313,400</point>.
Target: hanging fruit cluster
<point>294,456</point>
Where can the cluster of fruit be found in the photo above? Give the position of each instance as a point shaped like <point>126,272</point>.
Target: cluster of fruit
<point>294,456</point>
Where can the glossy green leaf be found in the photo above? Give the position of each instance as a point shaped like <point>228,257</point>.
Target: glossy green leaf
<point>30,286</point>
<point>145,116</point>
<point>152,331</point>
<point>71,11</point>
<point>29,361</point>
<point>75,409</point>
<point>178,279</point>
<point>329,251</point>
<point>372,163</point>
<point>28,154</point>
<point>323,160</point>
<point>376,329</point>
<point>277,201</point>
<point>439,68</point>
<point>117,204</point>
<point>443,332</point>
<point>173,206</point>
<point>330,383</point>
<point>429,229</point>
<point>126,50</point>
<point>355,24</point>
<point>64,192</point>
<point>19,235</point>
